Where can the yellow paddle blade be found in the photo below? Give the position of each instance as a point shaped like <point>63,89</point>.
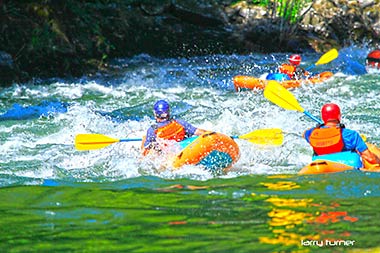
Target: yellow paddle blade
<point>328,57</point>
<point>93,141</point>
<point>271,136</point>
<point>280,96</point>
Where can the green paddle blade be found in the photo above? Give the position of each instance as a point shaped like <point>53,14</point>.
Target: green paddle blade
<point>271,136</point>
<point>328,57</point>
<point>280,96</point>
<point>93,141</point>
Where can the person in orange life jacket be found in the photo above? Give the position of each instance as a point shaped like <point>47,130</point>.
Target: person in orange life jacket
<point>332,136</point>
<point>292,68</point>
<point>167,128</point>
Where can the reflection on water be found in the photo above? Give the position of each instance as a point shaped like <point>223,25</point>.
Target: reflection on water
<point>264,213</point>
<point>309,224</point>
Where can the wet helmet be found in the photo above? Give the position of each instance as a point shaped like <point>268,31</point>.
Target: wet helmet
<point>161,109</point>
<point>373,58</point>
<point>330,112</point>
<point>295,59</point>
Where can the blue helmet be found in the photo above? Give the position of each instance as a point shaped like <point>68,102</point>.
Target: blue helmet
<point>161,109</point>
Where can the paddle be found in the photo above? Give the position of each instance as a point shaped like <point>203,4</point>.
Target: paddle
<point>326,58</point>
<point>97,141</point>
<point>271,136</point>
<point>280,96</point>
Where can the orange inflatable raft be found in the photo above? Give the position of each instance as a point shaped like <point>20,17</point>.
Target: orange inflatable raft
<point>250,83</point>
<point>214,151</point>
<point>340,162</point>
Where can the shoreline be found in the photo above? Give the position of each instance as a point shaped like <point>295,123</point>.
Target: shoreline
<point>71,39</point>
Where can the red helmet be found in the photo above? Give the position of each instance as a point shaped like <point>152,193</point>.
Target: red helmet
<point>373,58</point>
<point>295,59</point>
<point>330,112</point>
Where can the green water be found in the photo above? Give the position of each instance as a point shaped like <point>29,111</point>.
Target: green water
<point>148,214</point>
<point>54,198</point>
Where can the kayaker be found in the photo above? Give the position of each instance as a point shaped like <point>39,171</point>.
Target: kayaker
<point>332,136</point>
<point>293,69</point>
<point>167,128</point>
<point>373,59</point>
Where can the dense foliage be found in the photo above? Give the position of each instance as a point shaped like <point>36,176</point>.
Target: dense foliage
<point>289,10</point>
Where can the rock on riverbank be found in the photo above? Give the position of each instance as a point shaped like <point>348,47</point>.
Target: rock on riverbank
<point>72,38</point>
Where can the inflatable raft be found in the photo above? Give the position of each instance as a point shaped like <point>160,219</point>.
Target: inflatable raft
<point>341,161</point>
<point>214,151</point>
<point>250,83</point>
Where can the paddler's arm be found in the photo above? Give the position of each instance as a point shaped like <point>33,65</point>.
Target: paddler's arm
<point>302,73</point>
<point>190,129</point>
<point>149,142</point>
<point>370,157</point>
<point>363,150</point>
<point>199,131</point>
<point>307,133</point>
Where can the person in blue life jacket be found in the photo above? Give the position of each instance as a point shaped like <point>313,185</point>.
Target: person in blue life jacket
<point>332,136</point>
<point>167,128</point>
<point>293,69</point>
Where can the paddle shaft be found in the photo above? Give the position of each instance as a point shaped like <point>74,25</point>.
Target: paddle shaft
<point>233,136</point>
<point>313,117</point>
<point>310,67</point>
<point>132,139</point>
<point>139,139</point>
<point>97,141</point>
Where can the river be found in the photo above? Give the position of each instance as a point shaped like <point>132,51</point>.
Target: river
<point>55,198</point>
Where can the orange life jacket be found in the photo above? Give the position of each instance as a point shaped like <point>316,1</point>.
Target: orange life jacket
<point>288,69</point>
<point>327,140</point>
<point>172,131</point>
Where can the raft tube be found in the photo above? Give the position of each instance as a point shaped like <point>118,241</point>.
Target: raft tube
<point>250,83</point>
<point>215,151</point>
<point>341,161</point>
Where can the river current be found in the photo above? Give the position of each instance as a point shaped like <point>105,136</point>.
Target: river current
<point>56,198</point>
